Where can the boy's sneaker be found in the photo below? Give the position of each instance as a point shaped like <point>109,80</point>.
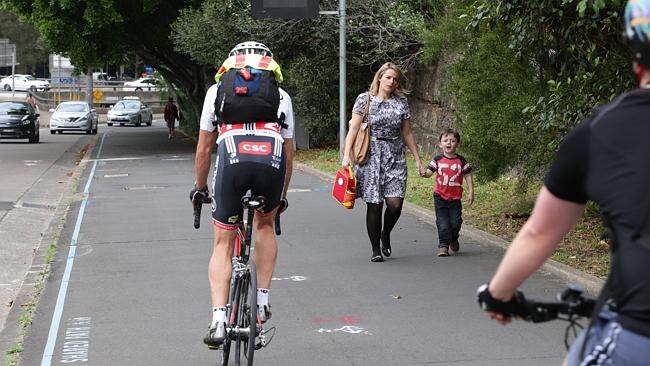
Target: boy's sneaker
<point>215,335</point>
<point>263,313</point>
<point>454,246</point>
<point>443,252</point>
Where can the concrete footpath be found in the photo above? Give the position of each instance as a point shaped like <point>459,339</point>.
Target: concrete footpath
<point>590,283</point>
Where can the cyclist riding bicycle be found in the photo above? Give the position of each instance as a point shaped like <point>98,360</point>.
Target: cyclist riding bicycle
<point>252,155</point>
<point>606,159</point>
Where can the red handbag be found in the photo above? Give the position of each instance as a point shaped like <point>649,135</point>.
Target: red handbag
<point>344,189</point>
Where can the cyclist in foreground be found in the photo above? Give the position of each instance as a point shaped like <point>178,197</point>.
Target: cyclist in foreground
<point>606,159</point>
<point>254,151</point>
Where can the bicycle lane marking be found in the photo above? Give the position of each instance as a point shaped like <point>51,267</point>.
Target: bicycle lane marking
<point>350,325</point>
<point>63,289</point>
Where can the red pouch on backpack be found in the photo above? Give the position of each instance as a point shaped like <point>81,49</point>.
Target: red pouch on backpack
<point>344,189</point>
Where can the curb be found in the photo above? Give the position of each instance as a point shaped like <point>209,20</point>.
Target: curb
<point>590,283</point>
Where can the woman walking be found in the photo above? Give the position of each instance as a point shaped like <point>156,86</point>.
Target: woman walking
<point>383,177</point>
<point>171,115</point>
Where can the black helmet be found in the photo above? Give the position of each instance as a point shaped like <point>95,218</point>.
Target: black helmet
<point>637,29</point>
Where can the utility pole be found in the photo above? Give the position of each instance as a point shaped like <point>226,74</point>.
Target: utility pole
<point>13,74</point>
<point>342,72</point>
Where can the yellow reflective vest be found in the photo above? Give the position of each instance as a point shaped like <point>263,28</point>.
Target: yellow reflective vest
<point>257,61</point>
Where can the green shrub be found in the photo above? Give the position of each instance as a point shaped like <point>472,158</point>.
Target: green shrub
<point>492,88</point>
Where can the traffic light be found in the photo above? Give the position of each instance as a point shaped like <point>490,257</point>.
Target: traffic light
<point>284,9</point>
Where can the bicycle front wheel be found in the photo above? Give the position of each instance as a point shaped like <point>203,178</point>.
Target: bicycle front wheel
<point>247,317</point>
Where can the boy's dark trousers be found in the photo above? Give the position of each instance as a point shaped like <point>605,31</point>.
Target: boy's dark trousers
<point>448,220</point>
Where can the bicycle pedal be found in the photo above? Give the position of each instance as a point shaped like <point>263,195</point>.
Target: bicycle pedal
<point>262,337</point>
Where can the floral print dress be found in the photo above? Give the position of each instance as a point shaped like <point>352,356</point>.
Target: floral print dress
<point>384,173</point>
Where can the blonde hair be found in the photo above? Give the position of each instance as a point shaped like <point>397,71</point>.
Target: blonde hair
<point>399,89</point>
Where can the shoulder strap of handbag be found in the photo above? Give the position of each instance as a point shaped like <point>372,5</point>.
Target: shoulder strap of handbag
<point>366,110</point>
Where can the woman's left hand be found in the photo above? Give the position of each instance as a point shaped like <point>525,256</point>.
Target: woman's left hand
<point>418,164</point>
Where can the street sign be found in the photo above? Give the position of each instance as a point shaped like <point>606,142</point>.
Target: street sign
<point>97,94</point>
<point>7,52</point>
<point>284,9</point>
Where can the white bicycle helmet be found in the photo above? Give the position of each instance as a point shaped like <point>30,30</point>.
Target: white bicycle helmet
<point>249,48</point>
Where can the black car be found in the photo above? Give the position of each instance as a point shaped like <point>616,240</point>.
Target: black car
<point>18,120</point>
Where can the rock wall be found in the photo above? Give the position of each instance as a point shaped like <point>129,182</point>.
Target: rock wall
<point>432,109</point>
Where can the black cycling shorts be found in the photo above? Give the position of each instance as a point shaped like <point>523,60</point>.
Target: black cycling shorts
<point>246,162</point>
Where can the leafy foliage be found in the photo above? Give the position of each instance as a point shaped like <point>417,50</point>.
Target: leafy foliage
<point>526,72</point>
<point>492,88</point>
<point>378,31</point>
<point>30,47</point>
<point>574,46</point>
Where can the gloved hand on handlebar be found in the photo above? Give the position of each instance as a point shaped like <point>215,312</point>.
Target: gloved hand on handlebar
<point>514,307</point>
<point>199,195</point>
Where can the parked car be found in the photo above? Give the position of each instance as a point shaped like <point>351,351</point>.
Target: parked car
<point>130,110</point>
<point>146,83</point>
<point>74,116</point>
<point>24,83</point>
<point>18,120</point>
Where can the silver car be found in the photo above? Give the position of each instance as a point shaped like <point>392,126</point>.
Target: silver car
<point>129,111</point>
<point>74,116</point>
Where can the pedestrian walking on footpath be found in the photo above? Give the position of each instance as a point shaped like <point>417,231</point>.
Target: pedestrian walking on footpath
<point>171,115</point>
<point>382,178</point>
<point>450,169</point>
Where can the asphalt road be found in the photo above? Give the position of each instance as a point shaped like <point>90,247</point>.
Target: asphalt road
<point>128,285</point>
<point>33,181</point>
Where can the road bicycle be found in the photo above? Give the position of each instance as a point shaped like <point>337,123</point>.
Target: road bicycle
<point>242,329</point>
<point>571,306</point>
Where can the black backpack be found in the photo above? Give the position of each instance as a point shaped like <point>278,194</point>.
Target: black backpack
<point>247,95</point>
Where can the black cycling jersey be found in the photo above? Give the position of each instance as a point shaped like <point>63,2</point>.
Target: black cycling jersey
<point>607,159</point>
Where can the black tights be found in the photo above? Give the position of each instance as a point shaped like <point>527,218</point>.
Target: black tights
<point>373,220</point>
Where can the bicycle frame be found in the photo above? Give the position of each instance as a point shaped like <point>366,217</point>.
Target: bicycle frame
<point>242,326</point>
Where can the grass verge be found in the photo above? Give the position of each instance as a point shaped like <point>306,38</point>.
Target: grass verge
<point>500,208</point>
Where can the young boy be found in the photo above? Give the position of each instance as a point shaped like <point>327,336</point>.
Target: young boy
<point>450,168</point>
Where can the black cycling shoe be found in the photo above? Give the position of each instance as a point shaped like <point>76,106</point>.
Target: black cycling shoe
<point>215,335</point>
<point>385,244</point>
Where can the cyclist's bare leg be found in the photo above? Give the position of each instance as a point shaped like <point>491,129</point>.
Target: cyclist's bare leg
<point>266,247</point>
<point>220,267</point>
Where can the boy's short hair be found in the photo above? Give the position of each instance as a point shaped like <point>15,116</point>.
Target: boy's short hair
<point>449,131</point>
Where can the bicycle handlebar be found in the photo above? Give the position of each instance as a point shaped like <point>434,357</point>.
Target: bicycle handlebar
<point>570,302</point>
<point>197,210</point>
<point>283,206</point>
<point>197,213</point>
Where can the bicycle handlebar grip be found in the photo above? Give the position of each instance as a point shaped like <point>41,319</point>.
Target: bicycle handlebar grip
<point>283,206</point>
<point>197,214</point>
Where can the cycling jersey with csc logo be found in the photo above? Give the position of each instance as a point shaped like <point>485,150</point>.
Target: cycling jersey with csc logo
<point>606,159</point>
<point>250,156</point>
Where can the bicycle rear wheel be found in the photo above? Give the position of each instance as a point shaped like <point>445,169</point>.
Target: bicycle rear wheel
<point>247,317</point>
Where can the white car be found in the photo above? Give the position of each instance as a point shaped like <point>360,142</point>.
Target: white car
<point>148,84</point>
<point>24,83</point>
<point>129,111</point>
<point>74,116</point>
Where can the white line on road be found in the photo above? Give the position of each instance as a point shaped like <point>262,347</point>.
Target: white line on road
<point>116,175</point>
<point>60,300</point>
<point>115,159</point>
<point>298,190</point>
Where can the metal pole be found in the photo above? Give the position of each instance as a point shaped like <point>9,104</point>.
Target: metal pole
<point>89,86</point>
<point>342,77</point>
<point>13,74</point>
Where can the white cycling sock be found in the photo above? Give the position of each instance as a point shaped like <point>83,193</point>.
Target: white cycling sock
<point>218,315</point>
<point>262,296</point>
